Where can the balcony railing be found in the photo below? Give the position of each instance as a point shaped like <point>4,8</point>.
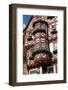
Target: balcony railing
<point>42,35</point>
<point>39,31</point>
<point>41,51</point>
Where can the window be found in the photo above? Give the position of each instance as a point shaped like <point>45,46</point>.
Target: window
<point>54,26</point>
<point>35,71</point>
<point>43,27</point>
<point>51,46</point>
<point>37,46</point>
<point>40,46</point>
<point>43,45</point>
<point>54,45</point>
<point>37,34</point>
<point>37,26</point>
<point>37,40</point>
<point>50,69</point>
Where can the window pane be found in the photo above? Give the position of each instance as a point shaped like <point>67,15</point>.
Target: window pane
<point>55,45</point>
<point>50,69</point>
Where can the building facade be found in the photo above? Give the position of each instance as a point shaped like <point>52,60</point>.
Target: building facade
<point>40,45</point>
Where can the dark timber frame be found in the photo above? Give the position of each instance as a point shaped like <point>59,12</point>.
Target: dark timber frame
<point>12,43</point>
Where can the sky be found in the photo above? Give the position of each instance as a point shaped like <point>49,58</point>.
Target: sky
<point>26,19</point>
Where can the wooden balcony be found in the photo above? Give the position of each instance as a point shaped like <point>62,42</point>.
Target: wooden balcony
<point>34,53</point>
